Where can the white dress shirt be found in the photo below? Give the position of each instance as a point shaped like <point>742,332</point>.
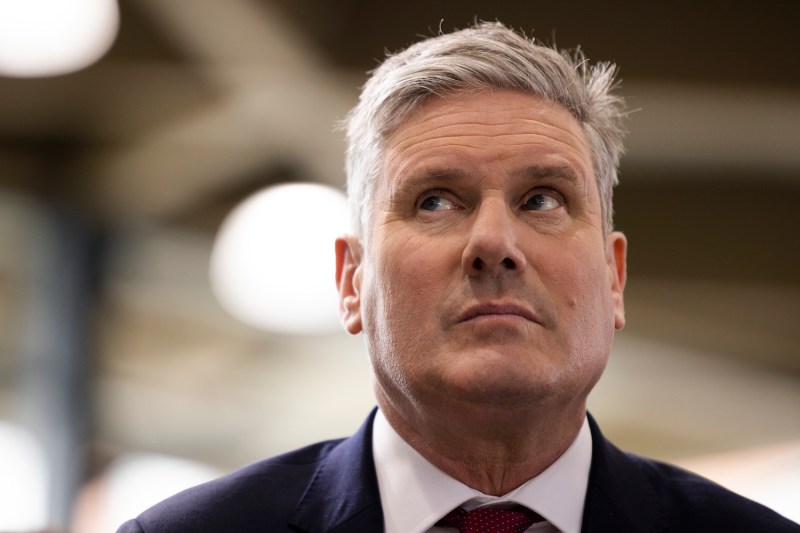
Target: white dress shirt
<point>415,494</point>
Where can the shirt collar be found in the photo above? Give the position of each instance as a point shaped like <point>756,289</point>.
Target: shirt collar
<point>415,494</point>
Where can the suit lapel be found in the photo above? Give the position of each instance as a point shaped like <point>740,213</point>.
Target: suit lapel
<point>619,497</point>
<point>343,494</point>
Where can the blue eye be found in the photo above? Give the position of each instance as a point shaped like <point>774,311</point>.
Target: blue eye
<point>436,203</point>
<point>542,202</point>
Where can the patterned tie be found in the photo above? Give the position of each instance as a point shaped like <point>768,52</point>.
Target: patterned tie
<point>490,520</point>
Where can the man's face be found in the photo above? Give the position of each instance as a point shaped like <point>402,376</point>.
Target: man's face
<point>487,279</point>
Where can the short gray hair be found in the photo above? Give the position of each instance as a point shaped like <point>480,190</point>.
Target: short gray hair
<point>485,56</point>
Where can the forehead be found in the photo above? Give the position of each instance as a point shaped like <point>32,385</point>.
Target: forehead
<point>487,126</point>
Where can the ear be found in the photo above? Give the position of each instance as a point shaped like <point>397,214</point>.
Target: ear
<point>616,256</point>
<point>348,281</point>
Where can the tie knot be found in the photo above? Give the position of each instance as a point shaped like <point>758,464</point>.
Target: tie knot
<point>490,520</point>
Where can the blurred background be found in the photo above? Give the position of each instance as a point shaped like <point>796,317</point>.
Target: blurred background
<point>124,374</point>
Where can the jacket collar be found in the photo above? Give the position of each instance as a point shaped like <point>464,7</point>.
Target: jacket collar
<point>620,497</point>
<point>343,494</point>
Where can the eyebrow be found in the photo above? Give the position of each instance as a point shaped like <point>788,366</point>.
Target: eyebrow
<point>446,173</point>
<point>564,172</point>
<point>532,172</point>
<point>559,172</point>
<point>438,175</point>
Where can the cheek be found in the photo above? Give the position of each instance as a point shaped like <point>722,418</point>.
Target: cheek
<point>417,269</point>
<point>407,291</point>
<point>582,293</point>
<point>403,289</point>
<point>585,321</point>
<point>399,305</point>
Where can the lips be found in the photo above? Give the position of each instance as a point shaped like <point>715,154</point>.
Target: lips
<point>497,309</point>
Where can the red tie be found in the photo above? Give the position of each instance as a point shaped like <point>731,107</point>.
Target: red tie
<point>490,520</point>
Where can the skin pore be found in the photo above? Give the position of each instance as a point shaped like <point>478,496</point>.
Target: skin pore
<point>489,293</point>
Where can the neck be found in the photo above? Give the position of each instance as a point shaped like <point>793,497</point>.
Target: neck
<point>493,450</point>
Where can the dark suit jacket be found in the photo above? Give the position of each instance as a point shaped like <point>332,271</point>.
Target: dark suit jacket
<point>332,487</point>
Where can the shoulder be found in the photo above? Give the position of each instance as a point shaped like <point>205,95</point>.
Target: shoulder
<point>628,492</point>
<point>702,502</point>
<point>693,503</point>
<point>258,497</point>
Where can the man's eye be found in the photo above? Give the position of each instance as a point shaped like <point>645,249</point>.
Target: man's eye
<point>542,202</point>
<point>436,203</point>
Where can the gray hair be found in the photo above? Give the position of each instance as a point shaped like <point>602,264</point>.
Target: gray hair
<point>485,56</point>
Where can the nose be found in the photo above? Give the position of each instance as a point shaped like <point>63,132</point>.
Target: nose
<point>492,248</point>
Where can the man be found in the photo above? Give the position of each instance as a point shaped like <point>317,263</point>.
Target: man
<point>487,279</point>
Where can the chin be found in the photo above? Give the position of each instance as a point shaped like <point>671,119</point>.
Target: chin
<point>502,390</point>
<point>505,379</point>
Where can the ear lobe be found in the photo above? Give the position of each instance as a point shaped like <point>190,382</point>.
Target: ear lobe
<point>616,255</point>
<point>348,282</point>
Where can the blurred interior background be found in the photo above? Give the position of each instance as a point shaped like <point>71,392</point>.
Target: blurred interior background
<point>122,377</point>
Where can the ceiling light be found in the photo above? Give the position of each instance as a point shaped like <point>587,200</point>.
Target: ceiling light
<point>52,37</point>
<point>273,261</point>
<point>23,480</point>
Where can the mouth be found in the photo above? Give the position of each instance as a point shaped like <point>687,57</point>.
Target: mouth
<point>498,310</point>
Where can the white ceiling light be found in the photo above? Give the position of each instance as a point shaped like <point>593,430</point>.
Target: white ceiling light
<point>136,482</point>
<point>23,480</point>
<point>52,37</point>
<point>273,262</point>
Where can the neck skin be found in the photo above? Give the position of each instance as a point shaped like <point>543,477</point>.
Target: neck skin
<point>491,449</point>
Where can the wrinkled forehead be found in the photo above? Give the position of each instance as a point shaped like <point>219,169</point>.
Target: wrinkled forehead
<point>396,110</point>
<point>472,105</point>
<point>489,124</point>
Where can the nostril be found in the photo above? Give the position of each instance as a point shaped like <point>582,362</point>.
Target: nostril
<point>478,264</point>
